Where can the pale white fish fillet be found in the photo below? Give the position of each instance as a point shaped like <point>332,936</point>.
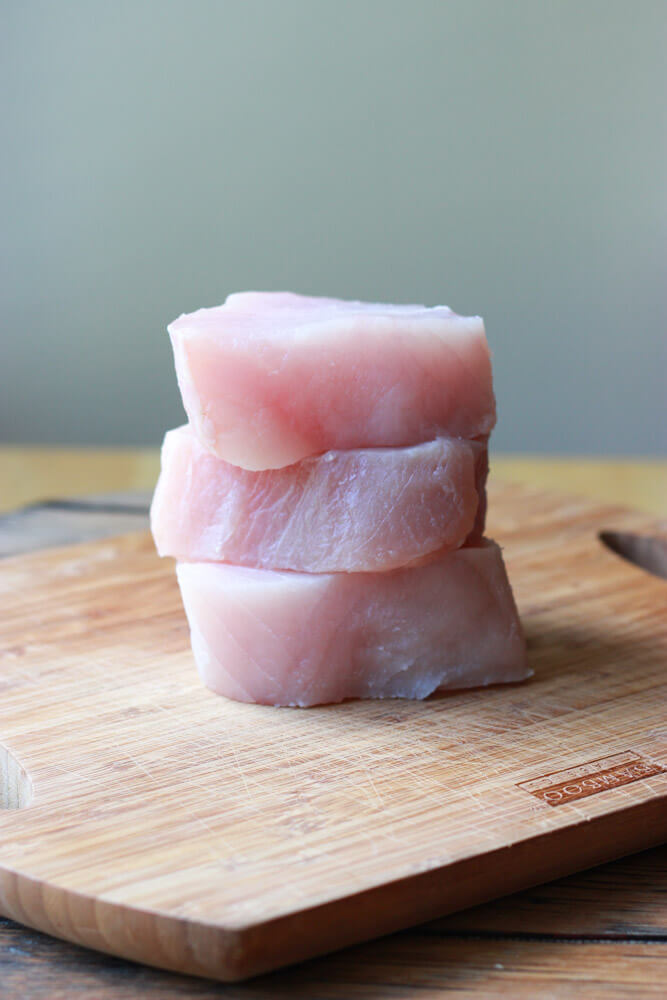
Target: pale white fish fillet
<point>269,378</point>
<point>285,638</point>
<point>362,510</point>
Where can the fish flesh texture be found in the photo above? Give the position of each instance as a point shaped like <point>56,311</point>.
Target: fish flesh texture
<point>270,378</point>
<point>361,510</point>
<point>300,639</point>
<point>345,511</point>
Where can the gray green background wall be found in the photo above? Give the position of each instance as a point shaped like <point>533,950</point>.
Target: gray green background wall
<point>507,157</point>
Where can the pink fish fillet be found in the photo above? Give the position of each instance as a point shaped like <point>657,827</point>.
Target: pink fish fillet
<point>344,511</point>
<point>269,378</point>
<point>283,638</point>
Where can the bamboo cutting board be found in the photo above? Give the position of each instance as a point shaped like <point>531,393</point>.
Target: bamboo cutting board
<point>152,819</point>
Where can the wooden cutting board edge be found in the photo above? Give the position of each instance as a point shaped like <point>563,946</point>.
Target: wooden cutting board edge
<point>209,950</point>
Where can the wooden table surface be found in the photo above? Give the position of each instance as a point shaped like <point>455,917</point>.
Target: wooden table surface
<point>600,934</point>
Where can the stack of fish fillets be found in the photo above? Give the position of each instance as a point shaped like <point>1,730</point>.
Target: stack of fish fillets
<point>326,501</point>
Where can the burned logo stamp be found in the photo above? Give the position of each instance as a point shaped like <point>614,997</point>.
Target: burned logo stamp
<point>595,776</point>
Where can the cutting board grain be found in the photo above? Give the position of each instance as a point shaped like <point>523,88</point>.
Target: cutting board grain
<point>167,825</point>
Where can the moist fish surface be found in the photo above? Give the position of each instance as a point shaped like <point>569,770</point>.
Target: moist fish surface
<point>300,639</point>
<point>270,378</point>
<point>362,510</point>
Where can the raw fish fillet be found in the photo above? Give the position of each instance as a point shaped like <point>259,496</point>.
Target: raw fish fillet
<point>269,378</point>
<point>344,511</point>
<point>282,638</point>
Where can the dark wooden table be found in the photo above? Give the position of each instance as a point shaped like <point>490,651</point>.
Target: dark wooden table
<point>600,934</point>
